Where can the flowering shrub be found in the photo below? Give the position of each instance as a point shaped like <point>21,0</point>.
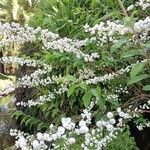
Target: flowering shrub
<point>89,88</point>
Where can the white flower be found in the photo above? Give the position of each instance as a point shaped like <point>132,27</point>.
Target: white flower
<point>61,130</point>
<point>46,136</point>
<point>99,124</point>
<point>36,145</point>
<point>110,115</point>
<point>118,110</point>
<point>39,136</point>
<point>110,127</point>
<point>112,121</point>
<point>84,129</point>
<point>82,123</point>
<point>121,114</point>
<point>71,140</point>
<point>54,137</point>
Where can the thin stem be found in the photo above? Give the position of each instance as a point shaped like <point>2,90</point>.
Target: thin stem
<point>136,35</point>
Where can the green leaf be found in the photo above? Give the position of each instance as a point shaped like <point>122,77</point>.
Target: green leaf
<point>138,78</point>
<point>40,126</point>
<point>147,45</point>
<point>23,120</point>
<point>101,103</point>
<point>129,21</point>
<point>146,88</point>
<point>54,112</point>
<point>131,53</point>
<point>96,92</point>
<point>17,114</point>
<point>71,90</point>
<point>83,86</point>
<point>87,98</point>
<point>69,78</point>
<point>28,121</point>
<point>136,69</point>
<point>118,44</point>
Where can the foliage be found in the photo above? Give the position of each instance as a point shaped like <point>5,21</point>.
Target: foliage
<point>96,71</point>
<point>17,10</point>
<point>124,141</point>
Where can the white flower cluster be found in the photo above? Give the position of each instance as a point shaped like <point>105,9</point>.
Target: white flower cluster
<point>86,73</point>
<point>111,76</point>
<point>35,79</point>
<point>141,126</point>
<point>27,62</point>
<point>110,31</point>
<point>42,99</point>
<point>14,33</point>
<point>142,109</point>
<point>68,131</point>
<point>144,4</point>
<point>62,89</point>
<point>112,97</point>
<point>121,89</point>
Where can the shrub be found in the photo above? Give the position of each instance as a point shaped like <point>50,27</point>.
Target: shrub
<point>89,85</point>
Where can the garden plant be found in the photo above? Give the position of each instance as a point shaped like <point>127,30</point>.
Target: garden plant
<point>88,73</point>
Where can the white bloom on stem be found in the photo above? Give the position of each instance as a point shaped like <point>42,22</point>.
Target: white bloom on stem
<point>36,145</point>
<point>110,115</point>
<point>71,140</point>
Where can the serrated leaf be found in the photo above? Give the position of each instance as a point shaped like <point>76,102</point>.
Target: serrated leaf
<point>87,98</point>
<point>136,69</point>
<point>131,53</point>
<point>137,78</point>
<point>146,88</point>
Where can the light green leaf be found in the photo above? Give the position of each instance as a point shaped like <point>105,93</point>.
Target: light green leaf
<point>146,88</point>
<point>118,44</point>
<point>129,21</point>
<point>71,90</point>
<point>131,53</point>
<point>136,69</point>
<point>147,45</point>
<point>96,92</point>
<point>87,98</point>
<point>83,86</point>
<point>138,78</point>
<point>69,78</point>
